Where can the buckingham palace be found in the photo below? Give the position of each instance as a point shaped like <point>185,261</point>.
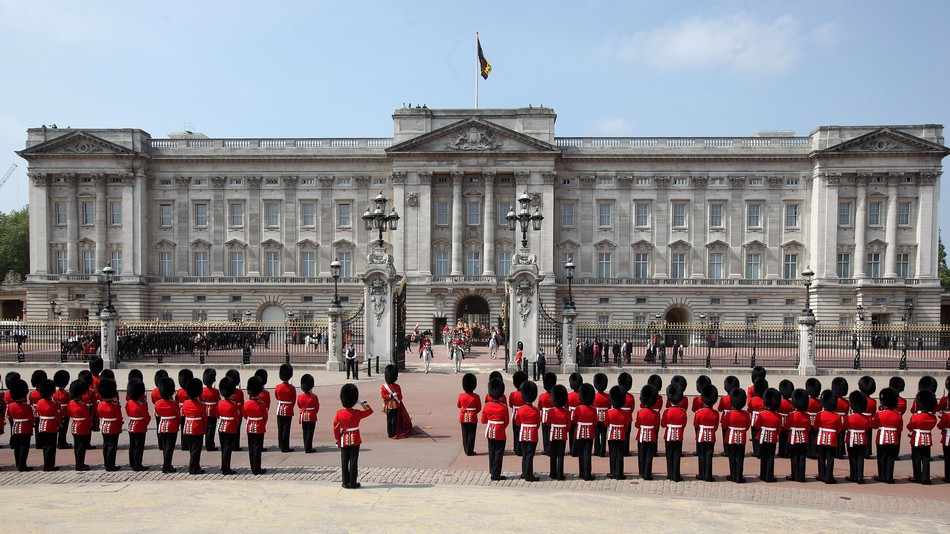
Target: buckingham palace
<point>220,229</point>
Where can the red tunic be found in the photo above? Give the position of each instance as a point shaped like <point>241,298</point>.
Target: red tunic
<point>515,401</point>
<point>647,422</point>
<point>20,415</point>
<point>584,418</point>
<point>697,404</point>
<point>842,410</point>
<point>617,422</point>
<point>286,395</point>
<point>139,417</point>
<point>167,413</point>
<point>601,404</point>
<point>814,406</point>
<point>858,425</point>
<point>503,400</point>
<point>80,421</point>
<point>391,395</point>
<point>756,406</point>
<point>346,426</point>
<point>110,417</point>
<point>545,405</point>
<point>768,423</point>
<point>559,420</point>
<point>872,407</point>
<point>706,422</point>
<point>495,415</point>
<point>889,424</point>
<point>674,421</point>
<point>180,397</point>
<point>784,409</point>
<point>573,401</point>
<point>48,412</point>
<point>255,411</point>
<point>156,396</point>
<point>196,418</point>
<point>828,425</point>
<point>34,398</point>
<point>238,398</point>
<point>309,406</point>
<point>725,404</point>
<point>944,424</point>
<point>210,398</point>
<point>229,417</point>
<point>264,398</point>
<point>901,405</point>
<point>798,425</point>
<point>529,419</point>
<point>920,426</point>
<point>469,405</point>
<point>61,398</point>
<point>736,423</point>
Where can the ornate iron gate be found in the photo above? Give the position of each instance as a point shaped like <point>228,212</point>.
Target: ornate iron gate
<point>399,325</point>
<point>354,329</point>
<point>549,332</point>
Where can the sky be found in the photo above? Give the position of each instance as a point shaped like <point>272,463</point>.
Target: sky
<point>319,68</point>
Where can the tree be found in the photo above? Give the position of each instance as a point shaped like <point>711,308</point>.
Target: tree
<point>942,270</point>
<point>15,242</point>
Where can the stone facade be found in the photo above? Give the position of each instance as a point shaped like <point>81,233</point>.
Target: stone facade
<point>208,229</point>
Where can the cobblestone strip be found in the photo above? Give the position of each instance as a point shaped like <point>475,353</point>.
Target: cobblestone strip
<point>396,476</point>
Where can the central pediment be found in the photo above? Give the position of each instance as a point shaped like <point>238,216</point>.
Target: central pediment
<point>472,136</point>
<point>887,141</point>
<point>76,143</point>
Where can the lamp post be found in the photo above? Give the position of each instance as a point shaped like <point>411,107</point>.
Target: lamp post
<point>702,320</point>
<point>569,271</point>
<point>856,341</point>
<point>335,272</point>
<point>109,273</point>
<point>662,339</point>
<point>247,316</point>
<point>807,275</point>
<point>523,217</point>
<point>377,219</point>
<point>907,318</point>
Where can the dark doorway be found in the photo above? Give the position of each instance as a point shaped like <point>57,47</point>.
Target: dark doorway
<point>438,323</point>
<point>474,314</point>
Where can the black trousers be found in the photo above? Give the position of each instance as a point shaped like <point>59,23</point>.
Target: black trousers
<point>920,460</point>
<point>110,447</point>
<point>351,366</point>
<point>350,456</point>
<point>255,447</point>
<point>468,438</point>
<point>545,438</point>
<point>80,446</point>
<point>283,432</point>
<point>615,452</point>
<point>166,442</point>
<point>583,448</point>
<point>704,450</point>
<point>886,456</point>
<point>856,461</point>
<point>767,462</point>
<point>572,450</point>
<point>826,462</point>
<point>194,442</point>
<point>136,449</point>
<point>308,428</point>
<point>516,431</point>
<point>20,443</point>
<point>209,433</point>
<point>840,449</point>
<point>528,448</point>
<point>392,416</point>
<point>783,444</point>
<point>736,461</point>
<point>646,452</point>
<point>63,430</point>
<point>47,441</point>
<point>556,458</point>
<point>228,444</point>
<point>600,439</point>
<point>496,454</point>
<point>674,454</point>
<point>797,454</point>
<point>626,442</point>
<point>813,443</point>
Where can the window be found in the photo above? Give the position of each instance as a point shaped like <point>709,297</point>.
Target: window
<point>880,301</point>
<point>474,213</point>
<point>236,262</point>
<point>199,315</point>
<point>790,302</point>
<point>237,215</point>
<point>272,263</point>
<point>442,213</point>
<point>60,210</point>
<point>788,320</point>
<point>678,265</point>
<point>473,263</point>
<point>753,265</point>
<point>88,213</point>
<point>844,266</point>
<point>117,262</point>
<point>201,263</point>
<point>874,265</point>
<point>603,265</point>
<point>640,319</point>
<point>756,182</point>
<point>714,302</point>
<point>62,262</point>
<point>641,211</point>
<point>641,265</point>
<point>115,213</point>
<point>201,215</point>
<point>272,215</point>
<point>680,181</point>
<point>641,300</point>
<point>718,180</point>
<point>844,214</point>
<point>752,302</point>
<point>308,263</point>
<point>903,265</point>
<point>903,213</point>
<point>166,298</point>
<point>567,215</point>
<point>715,265</point>
<point>343,215</point>
<point>605,181</point>
<point>165,215</point>
<point>754,215</point>
<point>308,214</point>
<point>167,316</point>
<point>790,266</point>
<point>603,300</point>
<point>679,215</point>
<point>874,214</point>
<point>715,215</point>
<point>88,262</point>
<point>441,263</point>
<point>791,181</point>
<point>165,264</point>
<point>603,214</point>
<point>306,299</point>
<point>603,319</point>
<point>503,209</point>
<point>346,264</point>
<point>504,263</point>
<point>642,180</point>
<point>201,298</point>
<point>236,298</point>
<point>791,216</point>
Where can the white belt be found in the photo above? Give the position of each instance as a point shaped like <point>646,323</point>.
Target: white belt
<point>496,422</point>
<point>466,409</point>
<point>589,424</point>
<point>285,402</point>
<point>223,418</point>
<point>600,409</point>
<point>852,435</point>
<point>823,431</point>
<point>136,418</point>
<point>529,426</point>
<point>647,427</point>
<point>734,432</point>
<point>612,426</point>
<point>766,429</point>
<point>255,418</point>
<point>192,419</point>
<point>19,420</point>
<point>206,403</point>
<point>309,409</point>
<point>167,418</point>
<point>626,408</point>
<point>354,429</point>
<point>110,419</point>
<point>558,426</point>
<point>47,417</point>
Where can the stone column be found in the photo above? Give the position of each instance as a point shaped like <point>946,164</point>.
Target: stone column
<point>130,261</point>
<point>568,341</point>
<point>139,224</point>
<point>523,303</point>
<point>289,228</point>
<point>547,259</point>
<point>400,254</point>
<point>107,320</point>
<point>326,219</point>
<point>806,343</point>
<point>457,222</point>
<point>219,214</point>
<point>489,223</point>
<point>890,229</point>
<point>40,252</point>
<point>72,223</point>
<point>860,228</point>
<point>102,221</point>
<point>335,338</point>
<point>927,222</point>
<point>425,218</point>
<point>379,282</point>
<point>253,221</point>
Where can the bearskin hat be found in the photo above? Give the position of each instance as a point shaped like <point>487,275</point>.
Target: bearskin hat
<point>738,398</point>
<point>759,387</point>
<point>813,387</point>
<point>701,381</point>
<point>195,388</point>
<point>19,390</point>
<point>209,377</point>
<point>135,374</point>
<point>285,372</point>
<point>625,380</point>
<point>108,388</point>
<point>656,381</point>
<point>618,397</point>
<point>648,395</point>
<point>47,388</point>
<point>61,378</point>
<point>38,376</point>
<point>771,398</point>
<point>262,374</point>
<point>306,382</point>
<point>800,400</point>
<point>519,378</point>
<point>679,380</point>
<point>496,388</point>
<point>927,383</point>
<point>858,401</point>
<point>255,386</point>
<point>785,388</point>
<point>896,383</point>
<point>730,383</point>
<point>840,386</point>
<point>349,393</point>
<point>829,400</point>
<point>235,377</point>
<point>867,385</point>
<point>469,382</point>
<point>391,372</point>
<point>77,389</point>
<point>86,376</point>
<point>600,382</point>
<point>496,374</point>
<point>184,376</point>
<point>107,373</point>
<point>586,393</point>
<point>926,401</point>
<point>888,398</point>
<point>576,379</point>
<point>709,394</point>
<point>758,372</point>
<point>674,394</point>
<point>226,386</point>
<point>559,396</point>
<point>529,391</point>
<point>548,381</point>
<point>11,377</point>
<point>136,389</point>
<point>95,365</point>
<point>159,375</point>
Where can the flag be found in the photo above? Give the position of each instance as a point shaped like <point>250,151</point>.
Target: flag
<point>483,63</point>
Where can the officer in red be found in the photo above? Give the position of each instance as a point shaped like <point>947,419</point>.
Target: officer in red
<point>867,386</point>
<point>309,406</point>
<point>768,425</point>
<point>80,422</point>
<point>286,396</point>
<point>919,428</point>
<point>829,425</point>
<point>559,419</point>
<point>237,398</point>
<point>469,404</point>
<point>265,395</point>
<point>730,383</point>
<point>229,423</point>
<point>573,401</point>
<point>110,421</point>
<point>346,432</point>
<point>856,435</point>
<point>797,429</point>
<point>648,423</point>
<point>625,381</point>
<point>548,381</point>
<point>34,397</point>
<point>195,416</point>
<point>47,411</point>
<point>528,420</point>
<point>757,406</point>
<point>618,420</point>
<point>889,424</point>
<point>184,376</point>
<point>167,413</point>
<point>210,397</point>
<point>136,408</point>
<point>518,378</point>
<point>256,413</point>
<point>61,399</point>
<point>495,416</point>
<point>813,388</point>
<point>584,419</point>
<point>736,422</point>
<point>20,414</point>
<point>706,423</point>
<point>601,405</point>
<point>674,421</point>
<point>391,394</point>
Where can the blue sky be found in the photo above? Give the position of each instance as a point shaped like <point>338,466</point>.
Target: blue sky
<point>330,68</point>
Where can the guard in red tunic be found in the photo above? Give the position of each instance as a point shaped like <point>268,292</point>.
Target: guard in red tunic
<point>601,405</point>
<point>736,423</point>
<point>168,414</point>
<point>855,436</point>
<point>195,415</point>
<point>706,423</point>
<point>559,419</point>
<point>229,419</point>
<point>730,383</point>
<point>757,372</point>
<point>625,381</point>
<point>80,422</point>
<point>618,420</point>
<point>797,427</point>
<point>897,384</point>
<point>346,432</point>
<point>919,427</point>
<point>515,402</point>
<point>548,381</point>
<point>391,394</point>
<point>504,399</point>
<point>868,386</point>
<point>309,406</point>
<point>469,404</point>
<point>839,386</point>
<point>184,376</point>
<point>674,423</point>
<point>944,426</point>
<point>785,388</point>
<point>768,424</point>
<point>256,413</point>
<point>136,408</point>
<point>889,424</point>
<point>156,395</point>
<point>20,414</point>
<point>61,398</point>
<point>657,382</point>
<point>210,397</point>
<point>265,395</point>
<point>584,419</point>
<point>648,423</point>
<point>286,396</point>
<point>96,365</point>
<point>573,401</point>
<point>238,399</point>
<point>34,397</point>
<point>927,383</point>
<point>495,417</point>
<point>756,407</point>
<point>528,420</point>
<point>47,411</point>
<point>110,421</point>
<point>829,426</point>
<point>680,381</point>
<point>813,388</point>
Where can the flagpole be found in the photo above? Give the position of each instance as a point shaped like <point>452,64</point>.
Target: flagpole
<point>477,71</point>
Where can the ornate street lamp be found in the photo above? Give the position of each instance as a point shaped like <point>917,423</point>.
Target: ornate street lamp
<point>109,273</point>
<point>856,342</point>
<point>335,272</point>
<point>377,219</point>
<point>702,320</point>
<point>523,217</point>
<point>569,271</point>
<point>807,274</point>
<point>661,339</point>
<point>907,318</point>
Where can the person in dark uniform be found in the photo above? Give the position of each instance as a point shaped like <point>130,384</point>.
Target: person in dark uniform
<point>195,424</point>
<point>351,363</point>
<point>168,414</point>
